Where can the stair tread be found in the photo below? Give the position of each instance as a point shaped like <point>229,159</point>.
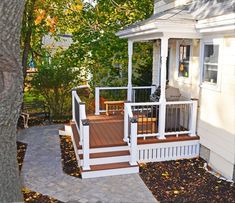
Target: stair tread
<point>110,166</point>
<point>107,154</point>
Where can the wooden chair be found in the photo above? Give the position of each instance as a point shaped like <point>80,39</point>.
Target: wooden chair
<point>146,125</point>
<point>114,106</point>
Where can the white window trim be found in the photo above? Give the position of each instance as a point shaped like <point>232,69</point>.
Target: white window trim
<point>208,85</point>
<point>186,80</point>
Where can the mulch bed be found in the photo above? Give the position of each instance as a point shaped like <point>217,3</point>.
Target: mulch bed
<point>21,149</point>
<point>35,197</point>
<point>185,181</point>
<point>31,196</point>
<point>68,157</point>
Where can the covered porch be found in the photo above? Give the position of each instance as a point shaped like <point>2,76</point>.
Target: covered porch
<point>127,127</point>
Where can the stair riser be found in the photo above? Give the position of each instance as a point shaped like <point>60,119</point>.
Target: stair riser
<point>67,131</point>
<point>109,160</point>
<point>106,149</point>
<point>110,172</point>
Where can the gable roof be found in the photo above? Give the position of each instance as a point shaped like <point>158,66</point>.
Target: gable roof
<point>181,17</point>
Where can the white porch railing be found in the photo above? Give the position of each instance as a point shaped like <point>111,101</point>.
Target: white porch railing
<point>142,120</point>
<point>180,118</point>
<point>138,94</point>
<point>82,125</point>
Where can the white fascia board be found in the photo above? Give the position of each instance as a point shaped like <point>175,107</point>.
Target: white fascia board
<point>145,32</point>
<point>146,37</point>
<point>160,26</point>
<point>184,35</point>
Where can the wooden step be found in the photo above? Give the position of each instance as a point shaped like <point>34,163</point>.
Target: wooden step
<point>109,170</point>
<point>111,166</point>
<point>106,149</point>
<point>107,154</point>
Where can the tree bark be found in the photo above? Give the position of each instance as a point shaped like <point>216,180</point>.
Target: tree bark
<point>11,89</point>
<point>29,19</point>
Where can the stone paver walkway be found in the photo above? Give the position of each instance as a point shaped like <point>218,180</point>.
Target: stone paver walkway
<point>42,172</point>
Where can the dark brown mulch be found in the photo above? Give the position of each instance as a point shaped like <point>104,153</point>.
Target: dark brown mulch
<point>30,196</point>
<point>21,149</point>
<point>69,161</point>
<point>185,181</point>
<point>35,197</point>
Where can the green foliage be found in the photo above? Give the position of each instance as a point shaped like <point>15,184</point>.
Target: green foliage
<point>43,17</point>
<point>103,53</point>
<point>54,82</point>
<point>96,50</point>
<point>142,60</point>
<point>31,96</point>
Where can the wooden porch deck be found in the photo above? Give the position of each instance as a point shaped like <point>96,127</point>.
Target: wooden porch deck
<point>107,131</point>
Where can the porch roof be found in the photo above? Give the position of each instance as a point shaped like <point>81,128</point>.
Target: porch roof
<point>179,22</point>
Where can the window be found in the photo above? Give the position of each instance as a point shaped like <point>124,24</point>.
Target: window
<point>184,58</point>
<point>210,63</point>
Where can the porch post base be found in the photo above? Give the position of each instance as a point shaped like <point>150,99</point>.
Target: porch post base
<point>192,135</point>
<point>162,138</point>
<point>126,139</point>
<point>86,168</point>
<point>133,163</point>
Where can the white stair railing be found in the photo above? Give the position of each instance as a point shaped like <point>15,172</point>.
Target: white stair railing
<point>130,133</point>
<point>82,125</point>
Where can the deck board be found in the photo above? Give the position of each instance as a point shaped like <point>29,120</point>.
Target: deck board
<point>107,131</point>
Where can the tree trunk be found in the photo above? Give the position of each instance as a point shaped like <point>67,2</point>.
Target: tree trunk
<point>11,88</point>
<point>28,33</point>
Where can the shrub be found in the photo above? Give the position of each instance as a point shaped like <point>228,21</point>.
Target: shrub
<point>54,82</point>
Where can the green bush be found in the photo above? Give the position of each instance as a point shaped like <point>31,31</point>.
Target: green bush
<point>54,82</point>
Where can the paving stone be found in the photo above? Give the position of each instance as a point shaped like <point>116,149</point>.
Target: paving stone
<point>42,172</point>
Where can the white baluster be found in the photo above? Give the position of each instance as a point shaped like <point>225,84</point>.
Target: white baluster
<point>193,119</point>
<point>97,101</point>
<point>134,148</point>
<point>86,145</point>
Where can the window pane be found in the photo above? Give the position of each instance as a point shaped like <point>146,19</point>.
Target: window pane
<point>211,53</point>
<point>184,57</point>
<point>210,73</point>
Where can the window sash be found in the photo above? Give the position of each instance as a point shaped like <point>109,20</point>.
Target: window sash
<point>184,60</point>
<point>210,63</point>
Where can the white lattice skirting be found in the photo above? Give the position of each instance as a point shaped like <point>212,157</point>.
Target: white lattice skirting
<point>168,151</point>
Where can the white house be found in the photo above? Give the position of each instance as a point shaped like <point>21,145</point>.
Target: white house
<point>194,49</point>
<point>198,38</point>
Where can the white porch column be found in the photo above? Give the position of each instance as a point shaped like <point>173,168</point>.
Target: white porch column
<point>156,64</point>
<point>130,53</point>
<point>162,110</point>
